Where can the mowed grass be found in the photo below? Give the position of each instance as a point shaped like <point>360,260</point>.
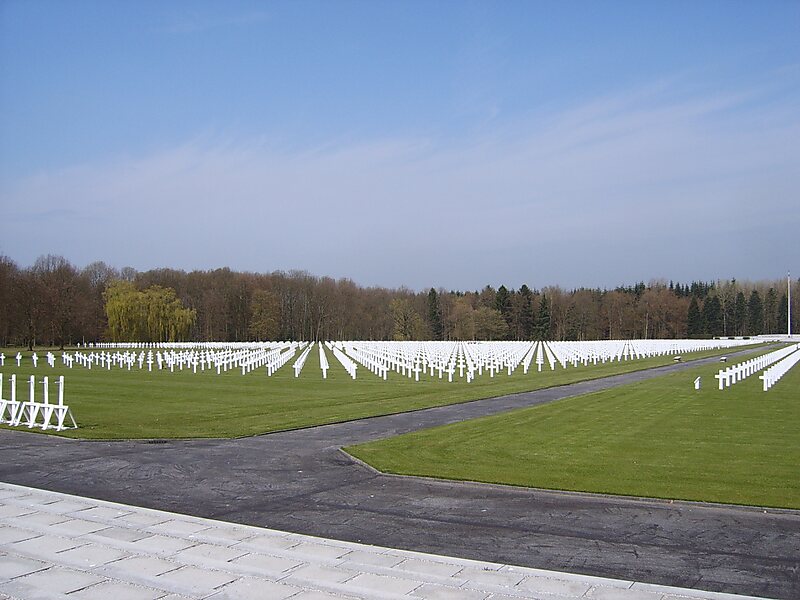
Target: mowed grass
<point>137,404</point>
<point>658,438</point>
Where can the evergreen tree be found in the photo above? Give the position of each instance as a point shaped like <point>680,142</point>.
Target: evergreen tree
<point>526,317</point>
<point>771,311</point>
<point>502,303</point>
<point>542,329</point>
<point>502,300</point>
<point>435,315</point>
<point>740,315</point>
<point>756,313</point>
<point>781,324</point>
<point>729,309</point>
<point>694,319</point>
<point>712,316</point>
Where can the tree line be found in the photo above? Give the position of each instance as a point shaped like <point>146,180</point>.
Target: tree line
<point>55,303</point>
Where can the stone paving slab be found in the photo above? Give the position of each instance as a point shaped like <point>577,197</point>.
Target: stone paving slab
<point>53,546</point>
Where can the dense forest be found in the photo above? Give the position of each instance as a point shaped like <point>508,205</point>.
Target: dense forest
<point>55,303</point>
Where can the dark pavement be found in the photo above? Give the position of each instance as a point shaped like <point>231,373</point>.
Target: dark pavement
<point>300,481</point>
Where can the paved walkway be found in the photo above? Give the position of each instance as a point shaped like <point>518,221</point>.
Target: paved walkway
<point>54,545</point>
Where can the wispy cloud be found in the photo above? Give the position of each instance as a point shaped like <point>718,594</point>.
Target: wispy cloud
<point>635,186</point>
<point>195,22</point>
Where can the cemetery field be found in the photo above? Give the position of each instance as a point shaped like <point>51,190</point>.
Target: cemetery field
<point>137,404</point>
<point>659,438</point>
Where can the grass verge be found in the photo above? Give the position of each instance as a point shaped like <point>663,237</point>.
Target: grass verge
<point>658,438</point>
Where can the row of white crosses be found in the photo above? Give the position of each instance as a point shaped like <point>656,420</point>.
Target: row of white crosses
<point>624,350</point>
<point>785,358</point>
<point>32,413</point>
<point>348,363</point>
<point>739,372</point>
<point>367,357</point>
<point>324,365</point>
<point>301,361</point>
<point>586,353</point>
<point>323,362</point>
<point>282,358</point>
<point>771,375</point>
<point>407,358</point>
<point>177,345</point>
<point>471,359</point>
<point>271,356</point>
<point>271,359</point>
<point>18,358</point>
<point>51,359</point>
<point>463,360</point>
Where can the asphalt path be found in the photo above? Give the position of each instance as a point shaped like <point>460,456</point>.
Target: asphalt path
<point>301,481</point>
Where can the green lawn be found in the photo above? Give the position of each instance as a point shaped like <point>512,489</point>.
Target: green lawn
<point>137,404</point>
<point>659,438</point>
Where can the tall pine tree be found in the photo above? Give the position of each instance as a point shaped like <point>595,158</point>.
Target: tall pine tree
<point>755,310</point>
<point>712,316</point>
<point>694,319</point>
<point>526,317</point>
<point>543,319</point>
<point>502,302</point>
<point>781,323</point>
<point>435,315</point>
<point>771,311</point>
<point>740,314</point>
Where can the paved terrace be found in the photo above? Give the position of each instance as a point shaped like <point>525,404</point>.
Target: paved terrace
<point>56,546</point>
<point>299,481</point>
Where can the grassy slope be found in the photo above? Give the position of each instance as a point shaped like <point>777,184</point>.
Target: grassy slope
<point>659,438</point>
<point>138,404</point>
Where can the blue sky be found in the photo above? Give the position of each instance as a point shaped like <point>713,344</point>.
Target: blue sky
<point>448,144</point>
